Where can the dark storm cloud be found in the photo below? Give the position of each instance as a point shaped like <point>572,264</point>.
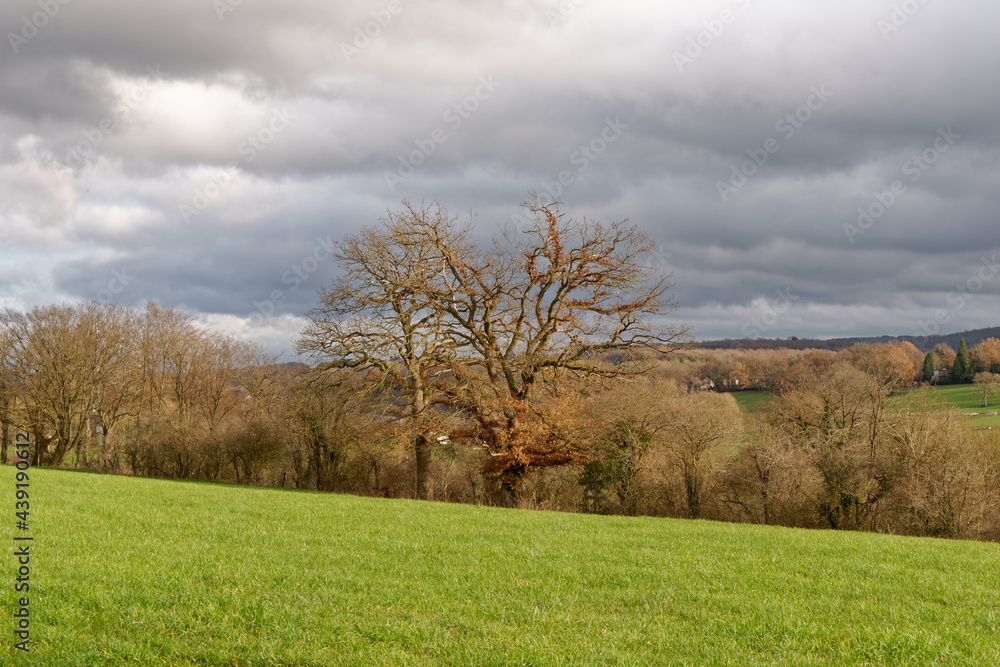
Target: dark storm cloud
<point>197,150</point>
<point>227,268</point>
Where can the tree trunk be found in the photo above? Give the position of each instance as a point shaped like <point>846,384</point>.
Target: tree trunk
<point>766,505</point>
<point>40,445</point>
<point>508,495</point>
<point>102,447</point>
<point>318,450</point>
<point>81,450</point>
<point>423,450</point>
<point>692,485</point>
<point>422,443</point>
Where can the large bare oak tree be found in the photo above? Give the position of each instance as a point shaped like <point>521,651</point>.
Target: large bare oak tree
<point>482,328</point>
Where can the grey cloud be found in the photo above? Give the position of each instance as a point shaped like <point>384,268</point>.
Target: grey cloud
<point>356,114</point>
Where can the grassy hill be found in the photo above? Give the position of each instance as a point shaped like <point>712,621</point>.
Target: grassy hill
<point>753,400</point>
<point>150,572</point>
<point>967,398</point>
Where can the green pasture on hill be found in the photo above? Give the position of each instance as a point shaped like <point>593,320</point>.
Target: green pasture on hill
<point>149,572</point>
<point>965,397</point>
<point>753,400</point>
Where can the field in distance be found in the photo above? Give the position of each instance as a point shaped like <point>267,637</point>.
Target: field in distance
<point>965,397</point>
<point>969,399</point>
<point>152,572</point>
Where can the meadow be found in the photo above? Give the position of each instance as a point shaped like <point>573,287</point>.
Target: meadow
<point>753,400</point>
<point>152,572</point>
<point>965,397</point>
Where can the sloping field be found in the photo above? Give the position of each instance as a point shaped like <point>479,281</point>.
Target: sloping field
<point>964,396</point>
<point>967,398</point>
<point>752,400</point>
<point>149,572</point>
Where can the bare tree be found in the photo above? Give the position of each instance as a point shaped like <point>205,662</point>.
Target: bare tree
<point>418,296</point>
<point>118,388</point>
<point>699,427</point>
<point>194,385</point>
<point>950,479</point>
<point>336,420</point>
<point>378,316</point>
<point>629,421</point>
<point>988,384</point>
<point>67,365</point>
<point>840,412</point>
<point>886,367</point>
<point>556,299</point>
<point>169,344</point>
<point>769,479</point>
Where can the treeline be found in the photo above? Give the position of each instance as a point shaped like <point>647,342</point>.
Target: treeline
<point>533,372</point>
<point>727,369</point>
<point>838,447</point>
<point>974,337</point>
<point>151,393</point>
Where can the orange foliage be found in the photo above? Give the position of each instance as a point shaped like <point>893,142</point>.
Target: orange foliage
<point>519,435</point>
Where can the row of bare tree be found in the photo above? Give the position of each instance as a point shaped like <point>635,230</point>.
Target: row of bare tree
<point>152,393</point>
<point>87,380</point>
<point>836,449</point>
<point>737,369</point>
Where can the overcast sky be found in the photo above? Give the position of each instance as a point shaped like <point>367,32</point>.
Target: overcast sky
<point>808,168</point>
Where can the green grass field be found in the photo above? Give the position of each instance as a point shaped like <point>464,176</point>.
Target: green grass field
<point>963,396</point>
<point>753,400</point>
<point>967,398</point>
<point>150,572</point>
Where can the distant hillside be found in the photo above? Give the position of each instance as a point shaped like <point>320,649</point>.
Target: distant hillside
<point>922,342</point>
